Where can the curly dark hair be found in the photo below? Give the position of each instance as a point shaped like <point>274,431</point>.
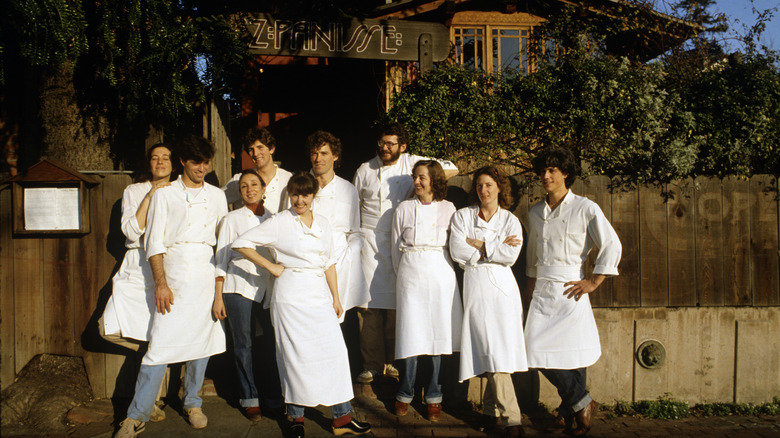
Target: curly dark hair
<point>302,183</point>
<point>505,198</point>
<point>194,148</point>
<point>438,180</point>
<point>321,138</point>
<point>258,134</point>
<point>395,129</point>
<point>561,158</point>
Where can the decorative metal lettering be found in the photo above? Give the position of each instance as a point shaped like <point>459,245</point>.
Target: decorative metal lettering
<point>370,39</point>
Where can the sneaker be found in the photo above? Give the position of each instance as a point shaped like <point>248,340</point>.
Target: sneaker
<point>296,430</point>
<point>434,411</point>
<point>367,376</point>
<point>391,371</point>
<point>157,415</point>
<point>354,427</point>
<point>129,428</point>
<point>197,418</point>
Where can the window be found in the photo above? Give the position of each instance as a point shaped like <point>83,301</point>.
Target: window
<point>506,44</point>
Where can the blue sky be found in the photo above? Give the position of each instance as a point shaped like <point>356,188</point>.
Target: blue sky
<point>740,13</point>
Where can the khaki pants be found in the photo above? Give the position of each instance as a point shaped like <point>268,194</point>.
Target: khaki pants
<point>500,400</point>
<point>377,337</point>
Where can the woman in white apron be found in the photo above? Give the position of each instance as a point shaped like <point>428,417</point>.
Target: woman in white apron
<point>126,320</point>
<point>429,312</point>
<point>305,309</point>
<point>242,288</point>
<point>485,240</point>
<point>561,332</point>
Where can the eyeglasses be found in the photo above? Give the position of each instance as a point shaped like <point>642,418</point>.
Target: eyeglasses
<point>388,144</point>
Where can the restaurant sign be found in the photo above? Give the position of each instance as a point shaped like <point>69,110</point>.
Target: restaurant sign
<point>367,39</point>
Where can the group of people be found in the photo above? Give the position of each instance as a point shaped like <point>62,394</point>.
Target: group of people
<point>299,250</point>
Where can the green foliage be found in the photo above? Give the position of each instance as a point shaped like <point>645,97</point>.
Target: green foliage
<point>667,408</point>
<point>51,32</point>
<point>148,61</point>
<point>638,123</point>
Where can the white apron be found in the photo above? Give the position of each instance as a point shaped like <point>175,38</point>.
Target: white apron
<point>377,262</point>
<point>429,312</point>
<point>493,338</point>
<point>352,286</point>
<point>189,331</point>
<point>131,305</point>
<point>561,333</point>
<point>310,350</point>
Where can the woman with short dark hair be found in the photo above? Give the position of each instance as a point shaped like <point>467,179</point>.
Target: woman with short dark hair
<point>305,307</point>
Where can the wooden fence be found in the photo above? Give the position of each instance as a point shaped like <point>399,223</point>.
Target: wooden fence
<point>714,246</point>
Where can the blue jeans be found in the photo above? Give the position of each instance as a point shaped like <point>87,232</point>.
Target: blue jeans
<point>339,410</point>
<point>432,391</point>
<point>240,311</point>
<point>148,384</point>
<point>571,388</point>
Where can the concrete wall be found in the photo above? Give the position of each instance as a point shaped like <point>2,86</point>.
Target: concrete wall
<point>712,355</point>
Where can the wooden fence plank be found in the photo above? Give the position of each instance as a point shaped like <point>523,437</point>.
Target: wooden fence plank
<point>681,217</point>
<point>736,237</point>
<point>653,233</point>
<point>7,317</point>
<point>625,220</point>
<point>764,240</point>
<point>58,296</point>
<point>710,243</point>
<point>28,300</point>
<point>596,188</point>
<point>90,249</point>
<point>116,365</point>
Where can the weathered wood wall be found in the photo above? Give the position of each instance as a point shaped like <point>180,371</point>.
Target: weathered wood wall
<point>715,246</point>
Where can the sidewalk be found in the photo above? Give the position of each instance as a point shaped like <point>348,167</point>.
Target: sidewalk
<point>95,420</point>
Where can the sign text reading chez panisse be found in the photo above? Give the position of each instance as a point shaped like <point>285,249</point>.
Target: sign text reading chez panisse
<point>368,39</point>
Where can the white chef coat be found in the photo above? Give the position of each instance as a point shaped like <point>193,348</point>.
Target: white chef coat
<point>241,275</point>
<point>429,312</point>
<point>130,307</point>
<point>275,198</point>
<point>338,202</point>
<point>560,332</point>
<point>182,226</point>
<point>492,338</point>
<point>380,189</point>
<point>310,350</point>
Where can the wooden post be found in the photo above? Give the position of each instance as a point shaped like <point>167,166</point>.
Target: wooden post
<point>426,53</point>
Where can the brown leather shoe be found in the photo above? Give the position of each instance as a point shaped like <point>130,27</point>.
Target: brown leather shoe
<point>253,413</point>
<point>434,411</point>
<point>514,431</point>
<point>583,419</point>
<point>401,408</point>
<point>560,424</point>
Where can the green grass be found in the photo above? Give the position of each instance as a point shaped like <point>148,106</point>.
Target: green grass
<point>667,408</point>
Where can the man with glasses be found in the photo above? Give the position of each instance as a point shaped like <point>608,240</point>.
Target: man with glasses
<point>382,183</point>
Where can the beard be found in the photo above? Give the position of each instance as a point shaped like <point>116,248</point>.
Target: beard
<point>390,157</point>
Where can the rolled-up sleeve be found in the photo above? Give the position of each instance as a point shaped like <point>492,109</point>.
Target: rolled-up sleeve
<point>155,225</point>
<point>607,240</point>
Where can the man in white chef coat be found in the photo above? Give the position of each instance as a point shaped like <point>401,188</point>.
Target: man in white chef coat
<point>337,200</point>
<point>179,242</point>
<point>382,183</point>
<point>561,335</point>
<point>261,146</point>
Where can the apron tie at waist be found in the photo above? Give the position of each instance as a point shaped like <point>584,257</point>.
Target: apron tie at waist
<point>559,273</point>
<point>317,271</point>
<point>421,249</point>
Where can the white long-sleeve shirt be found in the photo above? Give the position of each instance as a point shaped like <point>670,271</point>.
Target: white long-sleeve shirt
<point>131,199</point>
<point>241,275</point>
